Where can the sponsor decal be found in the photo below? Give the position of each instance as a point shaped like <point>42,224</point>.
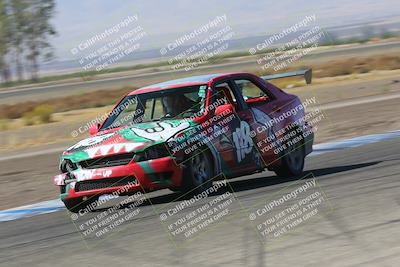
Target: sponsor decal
<point>107,173</point>
<point>82,175</point>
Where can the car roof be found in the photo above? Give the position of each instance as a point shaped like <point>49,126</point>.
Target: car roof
<point>183,82</point>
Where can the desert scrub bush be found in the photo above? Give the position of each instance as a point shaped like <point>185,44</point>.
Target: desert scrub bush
<point>4,125</point>
<point>86,100</point>
<point>28,118</point>
<point>43,113</point>
<point>15,111</point>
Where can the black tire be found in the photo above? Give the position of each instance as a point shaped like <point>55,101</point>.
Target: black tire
<point>198,173</point>
<point>292,160</point>
<point>75,205</point>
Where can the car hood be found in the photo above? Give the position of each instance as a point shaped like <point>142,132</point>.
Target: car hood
<point>132,139</point>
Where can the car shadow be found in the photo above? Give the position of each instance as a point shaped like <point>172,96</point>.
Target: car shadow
<point>250,184</point>
<point>255,183</point>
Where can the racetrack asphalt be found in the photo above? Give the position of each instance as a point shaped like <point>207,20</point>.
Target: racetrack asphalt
<point>359,225</point>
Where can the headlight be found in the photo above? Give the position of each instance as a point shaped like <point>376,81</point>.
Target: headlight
<point>67,166</point>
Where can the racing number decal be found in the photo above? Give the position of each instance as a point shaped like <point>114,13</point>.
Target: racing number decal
<point>155,129</point>
<point>242,140</point>
<point>161,131</point>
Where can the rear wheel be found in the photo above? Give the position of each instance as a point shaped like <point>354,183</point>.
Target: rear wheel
<point>292,160</point>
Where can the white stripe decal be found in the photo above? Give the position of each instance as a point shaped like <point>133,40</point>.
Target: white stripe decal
<point>56,205</point>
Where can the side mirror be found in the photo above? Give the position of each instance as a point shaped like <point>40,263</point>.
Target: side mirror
<point>224,109</point>
<point>94,129</point>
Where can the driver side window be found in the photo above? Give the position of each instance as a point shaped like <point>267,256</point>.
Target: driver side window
<point>224,94</point>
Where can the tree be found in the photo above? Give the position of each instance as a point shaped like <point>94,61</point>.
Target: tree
<point>18,25</point>
<point>4,41</point>
<point>37,32</point>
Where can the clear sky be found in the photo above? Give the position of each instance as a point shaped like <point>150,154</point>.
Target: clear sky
<point>77,20</point>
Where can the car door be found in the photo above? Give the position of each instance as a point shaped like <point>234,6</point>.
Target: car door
<point>236,146</point>
<point>258,112</point>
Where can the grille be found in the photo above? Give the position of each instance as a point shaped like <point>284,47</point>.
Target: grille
<point>108,161</point>
<point>104,183</point>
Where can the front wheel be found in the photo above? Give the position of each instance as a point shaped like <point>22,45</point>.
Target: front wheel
<point>292,161</point>
<point>198,173</point>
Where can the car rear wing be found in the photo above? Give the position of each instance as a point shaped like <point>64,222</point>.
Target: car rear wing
<point>306,73</point>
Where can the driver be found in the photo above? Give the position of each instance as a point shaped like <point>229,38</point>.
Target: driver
<point>176,104</point>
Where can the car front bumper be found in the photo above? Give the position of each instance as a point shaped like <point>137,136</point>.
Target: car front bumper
<point>136,176</point>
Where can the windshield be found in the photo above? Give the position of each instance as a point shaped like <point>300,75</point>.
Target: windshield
<point>180,103</point>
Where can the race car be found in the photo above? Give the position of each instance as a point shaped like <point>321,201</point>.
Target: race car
<point>183,134</point>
